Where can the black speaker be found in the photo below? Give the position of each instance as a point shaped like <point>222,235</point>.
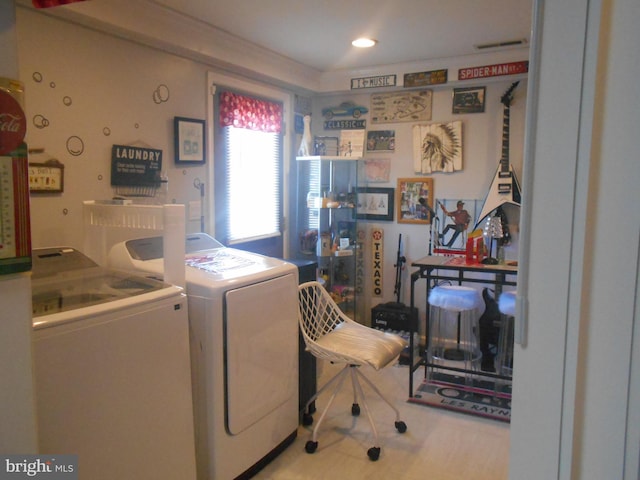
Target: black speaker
<point>394,316</point>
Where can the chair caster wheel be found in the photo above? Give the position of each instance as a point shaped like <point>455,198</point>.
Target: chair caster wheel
<point>355,409</point>
<point>401,427</point>
<point>311,446</point>
<point>373,453</point>
<point>307,419</point>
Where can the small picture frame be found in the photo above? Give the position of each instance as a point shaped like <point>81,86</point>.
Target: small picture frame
<point>381,141</point>
<point>47,177</point>
<point>375,203</point>
<point>326,146</point>
<point>468,100</point>
<point>411,196</point>
<point>351,143</point>
<point>190,147</point>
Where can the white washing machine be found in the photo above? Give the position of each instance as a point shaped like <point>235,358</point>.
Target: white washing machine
<point>112,369</point>
<point>243,311</point>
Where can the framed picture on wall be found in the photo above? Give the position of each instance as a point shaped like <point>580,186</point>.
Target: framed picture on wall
<point>411,196</point>
<point>381,140</point>
<point>374,170</point>
<point>468,100</point>
<point>375,203</point>
<point>189,140</point>
<point>47,177</point>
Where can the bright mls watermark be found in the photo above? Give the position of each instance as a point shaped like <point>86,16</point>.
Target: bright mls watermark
<point>50,467</point>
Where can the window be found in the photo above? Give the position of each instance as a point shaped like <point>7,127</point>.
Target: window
<point>253,184</point>
<point>249,179</point>
<point>310,171</point>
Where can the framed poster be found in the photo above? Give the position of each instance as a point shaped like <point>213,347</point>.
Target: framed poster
<point>412,194</point>
<point>189,140</point>
<point>468,100</point>
<point>46,177</point>
<point>374,170</point>
<point>375,203</point>
<point>381,141</point>
<point>326,146</point>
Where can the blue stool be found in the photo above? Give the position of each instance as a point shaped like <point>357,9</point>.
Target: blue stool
<point>454,305</point>
<point>504,356</point>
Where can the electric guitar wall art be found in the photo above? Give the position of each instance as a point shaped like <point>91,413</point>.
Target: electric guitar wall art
<point>505,187</point>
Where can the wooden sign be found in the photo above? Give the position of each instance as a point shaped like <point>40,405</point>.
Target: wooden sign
<point>373,82</point>
<point>46,177</point>
<point>496,70</point>
<point>422,79</point>
<point>406,106</point>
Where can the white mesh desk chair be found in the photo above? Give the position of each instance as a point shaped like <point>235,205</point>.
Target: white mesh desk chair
<point>330,335</point>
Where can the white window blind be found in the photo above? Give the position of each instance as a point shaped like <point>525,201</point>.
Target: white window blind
<point>253,184</point>
<point>313,175</point>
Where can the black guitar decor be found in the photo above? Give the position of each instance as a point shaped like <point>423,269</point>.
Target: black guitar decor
<point>505,187</point>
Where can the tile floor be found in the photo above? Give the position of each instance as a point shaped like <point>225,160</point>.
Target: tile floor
<point>438,444</point>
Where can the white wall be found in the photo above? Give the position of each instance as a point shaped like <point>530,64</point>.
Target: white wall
<point>104,91</point>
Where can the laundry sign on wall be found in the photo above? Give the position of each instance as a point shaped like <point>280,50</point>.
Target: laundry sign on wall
<point>135,166</point>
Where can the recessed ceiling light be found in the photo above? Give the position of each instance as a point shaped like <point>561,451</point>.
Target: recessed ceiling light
<point>364,42</point>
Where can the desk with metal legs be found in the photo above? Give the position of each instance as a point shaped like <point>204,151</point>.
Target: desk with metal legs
<point>457,271</point>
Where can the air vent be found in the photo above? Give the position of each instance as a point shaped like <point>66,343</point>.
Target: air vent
<point>507,43</point>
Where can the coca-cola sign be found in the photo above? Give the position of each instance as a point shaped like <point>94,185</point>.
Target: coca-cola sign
<point>13,123</point>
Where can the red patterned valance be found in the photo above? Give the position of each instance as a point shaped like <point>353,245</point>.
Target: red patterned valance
<point>52,3</point>
<point>241,111</point>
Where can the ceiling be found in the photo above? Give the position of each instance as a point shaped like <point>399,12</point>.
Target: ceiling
<point>318,34</point>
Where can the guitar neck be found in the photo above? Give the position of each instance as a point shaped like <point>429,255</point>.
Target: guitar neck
<point>504,159</point>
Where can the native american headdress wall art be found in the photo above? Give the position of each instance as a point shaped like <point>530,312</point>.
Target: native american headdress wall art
<point>437,147</point>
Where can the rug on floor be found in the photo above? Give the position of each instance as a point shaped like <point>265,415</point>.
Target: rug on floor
<point>451,393</point>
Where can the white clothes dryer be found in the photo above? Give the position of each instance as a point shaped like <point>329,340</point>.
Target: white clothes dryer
<point>243,312</point>
<point>112,369</point>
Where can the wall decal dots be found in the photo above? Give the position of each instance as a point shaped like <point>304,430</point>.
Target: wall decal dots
<point>75,146</point>
<point>161,94</point>
<point>67,101</point>
<point>52,84</point>
<point>106,131</point>
<point>37,77</point>
<point>39,121</point>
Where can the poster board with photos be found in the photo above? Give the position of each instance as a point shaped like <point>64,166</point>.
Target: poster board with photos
<point>411,195</point>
